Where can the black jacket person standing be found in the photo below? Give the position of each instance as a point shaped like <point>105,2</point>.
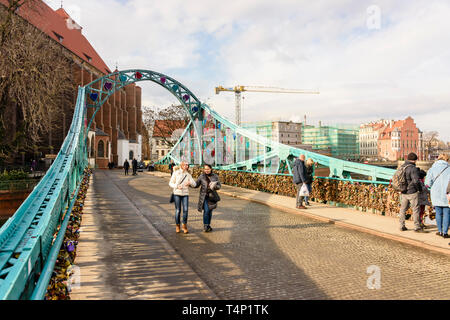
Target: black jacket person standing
<point>126,166</point>
<point>410,197</point>
<point>134,164</point>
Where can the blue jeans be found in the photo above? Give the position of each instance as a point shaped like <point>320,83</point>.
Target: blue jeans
<point>178,201</point>
<point>207,213</point>
<point>442,219</point>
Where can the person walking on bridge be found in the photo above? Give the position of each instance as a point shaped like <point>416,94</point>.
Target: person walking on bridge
<point>180,181</point>
<point>126,166</point>
<point>299,177</point>
<point>208,197</point>
<point>438,178</point>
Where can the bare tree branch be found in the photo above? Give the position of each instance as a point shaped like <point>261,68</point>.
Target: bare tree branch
<point>163,122</point>
<point>36,83</point>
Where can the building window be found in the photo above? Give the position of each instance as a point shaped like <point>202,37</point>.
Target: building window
<point>59,37</point>
<point>131,155</point>
<point>101,149</point>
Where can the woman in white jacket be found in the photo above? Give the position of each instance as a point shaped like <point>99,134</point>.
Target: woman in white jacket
<point>180,182</point>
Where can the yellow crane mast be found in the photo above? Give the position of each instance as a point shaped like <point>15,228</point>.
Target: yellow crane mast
<point>239,89</point>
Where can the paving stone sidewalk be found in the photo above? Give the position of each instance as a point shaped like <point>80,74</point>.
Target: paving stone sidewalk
<point>122,256</point>
<point>383,226</point>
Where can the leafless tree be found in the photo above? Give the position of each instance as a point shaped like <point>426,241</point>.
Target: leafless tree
<point>173,118</point>
<point>36,83</point>
<point>428,140</point>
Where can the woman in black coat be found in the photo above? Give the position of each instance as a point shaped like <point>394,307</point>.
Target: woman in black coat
<point>309,178</point>
<point>207,201</point>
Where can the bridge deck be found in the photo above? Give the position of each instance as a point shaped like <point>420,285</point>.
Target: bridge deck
<point>254,252</point>
<point>122,256</point>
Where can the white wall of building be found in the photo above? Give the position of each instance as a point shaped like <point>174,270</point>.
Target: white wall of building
<point>122,151</point>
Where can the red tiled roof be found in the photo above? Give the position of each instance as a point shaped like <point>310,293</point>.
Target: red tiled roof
<point>53,23</point>
<point>165,128</point>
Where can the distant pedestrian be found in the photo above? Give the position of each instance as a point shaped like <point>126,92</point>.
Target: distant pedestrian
<point>299,178</point>
<point>438,178</point>
<point>208,197</point>
<point>171,165</point>
<point>126,166</point>
<point>33,165</point>
<point>309,178</point>
<point>180,182</point>
<point>134,164</point>
<point>410,195</point>
<point>423,198</point>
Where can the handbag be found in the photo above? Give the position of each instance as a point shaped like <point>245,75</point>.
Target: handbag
<point>172,196</point>
<point>304,192</point>
<point>213,196</point>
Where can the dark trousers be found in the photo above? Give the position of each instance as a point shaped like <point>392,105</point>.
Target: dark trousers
<point>126,171</point>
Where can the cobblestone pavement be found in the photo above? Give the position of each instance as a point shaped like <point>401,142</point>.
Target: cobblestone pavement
<point>257,252</point>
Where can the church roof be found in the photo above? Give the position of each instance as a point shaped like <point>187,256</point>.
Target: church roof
<point>59,26</point>
<point>99,132</point>
<point>121,135</point>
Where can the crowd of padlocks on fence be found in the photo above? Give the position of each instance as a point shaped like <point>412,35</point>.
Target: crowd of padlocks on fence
<point>59,286</point>
<point>367,197</point>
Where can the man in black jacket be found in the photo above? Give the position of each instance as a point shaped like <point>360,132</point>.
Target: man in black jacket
<point>134,165</point>
<point>126,166</point>
<point>410,197</point>
<point>299,177</point>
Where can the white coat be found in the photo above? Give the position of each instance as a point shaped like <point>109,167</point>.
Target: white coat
<point>176,179</point>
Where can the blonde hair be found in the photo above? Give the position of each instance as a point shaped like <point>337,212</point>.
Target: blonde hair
<point>443,156</point>
<point>309,162</point>
<point>184,162</point>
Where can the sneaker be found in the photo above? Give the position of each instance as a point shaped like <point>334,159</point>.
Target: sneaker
<point>420,230</point>
<point>439,234</point>
<point>208,229</point>
<point>403,228</point>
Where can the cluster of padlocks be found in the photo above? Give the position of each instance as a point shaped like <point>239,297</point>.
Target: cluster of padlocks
<point>59,285</point>
<point>378,198</point>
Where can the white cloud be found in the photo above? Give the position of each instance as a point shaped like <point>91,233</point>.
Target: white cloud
<point>400,70</point>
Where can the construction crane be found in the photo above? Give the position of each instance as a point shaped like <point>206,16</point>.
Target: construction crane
<point>239,89</point>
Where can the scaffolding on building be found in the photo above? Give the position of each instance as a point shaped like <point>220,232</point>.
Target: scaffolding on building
<point>341,140</point>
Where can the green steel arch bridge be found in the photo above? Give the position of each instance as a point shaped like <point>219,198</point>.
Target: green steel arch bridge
<point>28,250</point>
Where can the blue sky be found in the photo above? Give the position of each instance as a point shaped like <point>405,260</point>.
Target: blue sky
<point>364,72</point>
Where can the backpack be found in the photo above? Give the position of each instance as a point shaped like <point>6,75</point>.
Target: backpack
<point>399,182</point>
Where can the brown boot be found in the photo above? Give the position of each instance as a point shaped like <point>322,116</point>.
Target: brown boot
<point>185,230</point>
<point>177,229</point>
